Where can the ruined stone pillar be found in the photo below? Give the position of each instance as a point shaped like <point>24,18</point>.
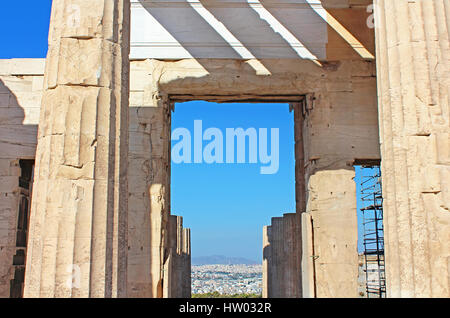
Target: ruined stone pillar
<point>78,229</point>
<point>413,65</point>
<point>282,249</point>
<point>292,286</point>
<point>177,266</point>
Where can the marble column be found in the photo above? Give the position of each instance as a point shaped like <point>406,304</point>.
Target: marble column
<point>78,229</point>
<point>413,65</point>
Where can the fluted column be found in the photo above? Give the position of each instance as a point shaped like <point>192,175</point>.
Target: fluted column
<point>78,229</point>
<point>413,62</point>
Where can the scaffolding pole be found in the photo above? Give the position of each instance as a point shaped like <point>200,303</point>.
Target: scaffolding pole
<point>373,238</point>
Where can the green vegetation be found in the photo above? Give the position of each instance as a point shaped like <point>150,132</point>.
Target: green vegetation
<point>219,295</point>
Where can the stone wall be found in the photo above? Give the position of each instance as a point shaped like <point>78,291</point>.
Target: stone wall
<point>20,100</point>
<point>149,180</point>
<point>339,125</point>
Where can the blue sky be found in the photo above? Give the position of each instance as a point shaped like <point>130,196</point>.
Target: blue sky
<point>24,28</point>
<point>225,205</point>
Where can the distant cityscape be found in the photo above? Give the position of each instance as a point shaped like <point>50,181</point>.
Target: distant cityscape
<point>226,277</point>
<point>223,260</point>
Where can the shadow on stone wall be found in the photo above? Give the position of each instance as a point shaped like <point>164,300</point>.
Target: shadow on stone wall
<point>17,148</point>
<point>265,30</point>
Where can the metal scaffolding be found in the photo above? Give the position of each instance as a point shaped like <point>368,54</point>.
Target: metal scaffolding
<point>373,238</point>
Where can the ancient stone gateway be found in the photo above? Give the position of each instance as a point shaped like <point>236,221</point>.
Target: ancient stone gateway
<point>95,122</point>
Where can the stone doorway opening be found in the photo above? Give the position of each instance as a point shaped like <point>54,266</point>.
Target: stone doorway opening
<point>232,170</point>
